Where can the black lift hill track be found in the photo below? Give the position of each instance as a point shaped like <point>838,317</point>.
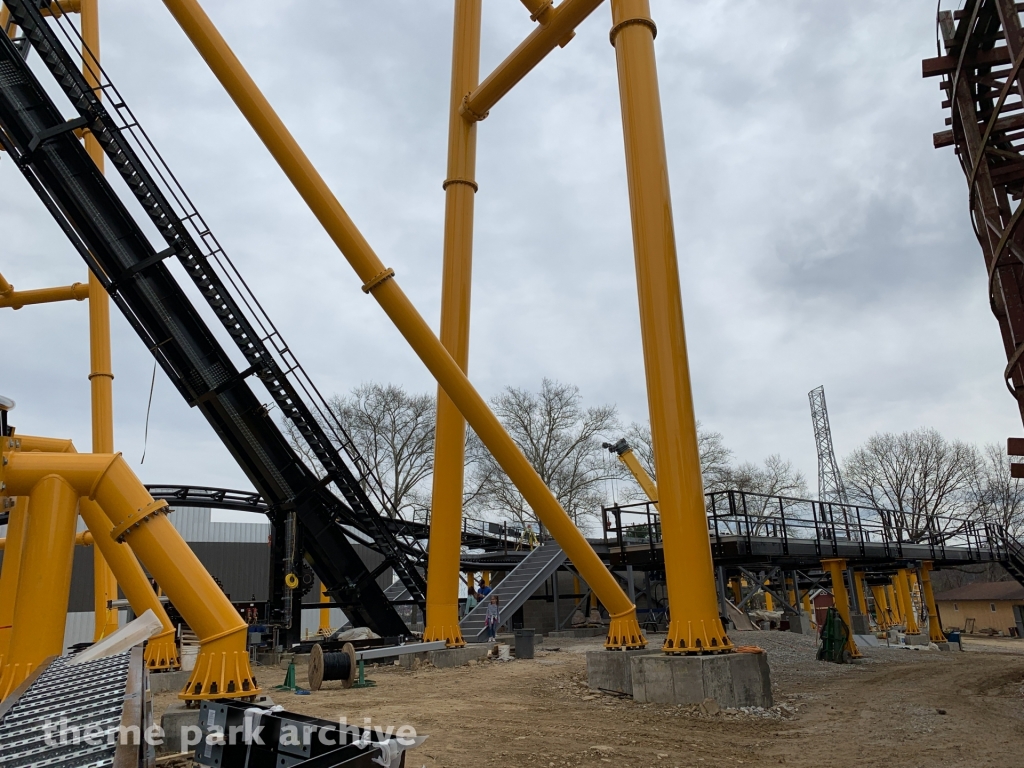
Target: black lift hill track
<point>330,496</point>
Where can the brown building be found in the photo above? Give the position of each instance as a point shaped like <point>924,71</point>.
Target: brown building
<point>984,606</point>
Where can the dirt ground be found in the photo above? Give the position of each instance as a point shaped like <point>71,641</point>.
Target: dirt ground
<point>896,708</point>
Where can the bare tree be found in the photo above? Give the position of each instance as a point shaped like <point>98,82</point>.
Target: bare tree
<point>999,497</point>
<point>561,439</point>
<point>714,456</point>
<point>764,484</point>
<point>925,479</point>
<point>394,432</point>
<point>775,477</point>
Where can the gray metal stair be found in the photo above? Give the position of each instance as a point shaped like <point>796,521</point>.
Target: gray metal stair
<point>397,592</point>
<point>515,589</point>
<point>1014,562</point>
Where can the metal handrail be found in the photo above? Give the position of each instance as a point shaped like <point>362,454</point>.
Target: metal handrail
<point>747,516</point>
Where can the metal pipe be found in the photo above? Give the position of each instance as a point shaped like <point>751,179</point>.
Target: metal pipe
<point>540,10</point>
<point>862,598</point>
<point>442,619</point>
<point>40,604</point>
<point>906,603</point>
<point>5,21</point>
<point>18,299</point>
<point>325,611</point>
<point>161,650</point>
<point>695,625</point>
<point>841,598</point>
<point>623,631</point>
<point>101,375</point>
<point>222,668</point>
<point>882,616</point>
<point>935,633</point>
<point>557,32</point>
<point>65,6</point>
<point>16,522</point>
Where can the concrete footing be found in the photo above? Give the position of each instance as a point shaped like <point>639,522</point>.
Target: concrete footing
<point>175,718</point>
<point>447,657</point>
<point>915,640</point>
<point>611,671</point>
<point>945,646</point>
<point>861,624</point>
<point>801,624</point>
<point>581,632</point>
<point>733,680</point>
<point>161,682</point>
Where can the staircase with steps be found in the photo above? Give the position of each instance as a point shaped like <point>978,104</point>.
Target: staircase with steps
<point>1013,556</point>
<point>515,589</point>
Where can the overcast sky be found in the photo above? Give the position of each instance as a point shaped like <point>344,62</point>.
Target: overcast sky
<point>822,240</point>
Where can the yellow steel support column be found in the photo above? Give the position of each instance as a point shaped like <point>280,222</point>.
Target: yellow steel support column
<point>41,602</point>
<point>862,599</point>
<point>646,482</point>
<point>835,567</point>
<point>16,521</point>
<point>882,615</point>
<point>806,602</point>
<point>894,600</point>
<point>695,625</point>
<point>222,668</point>
<point>101,375</point>
<point>379,281</point>
<point>737,591</point>
<point>935,633</point>
<point>769,604</point>
<point>916,599</point>
<point>906,604</point>
<point>162,649</point>
<point>325,613</point>
<point>442,620</point>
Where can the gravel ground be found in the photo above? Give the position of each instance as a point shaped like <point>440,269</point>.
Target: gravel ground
<point>896,708</point>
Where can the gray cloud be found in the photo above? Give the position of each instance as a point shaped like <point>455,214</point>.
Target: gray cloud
<point>821,238</point>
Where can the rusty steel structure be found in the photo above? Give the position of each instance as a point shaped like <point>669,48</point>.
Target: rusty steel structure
<point>981,66</point>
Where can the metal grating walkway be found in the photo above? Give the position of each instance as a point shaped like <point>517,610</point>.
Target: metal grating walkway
<point>89,697</point>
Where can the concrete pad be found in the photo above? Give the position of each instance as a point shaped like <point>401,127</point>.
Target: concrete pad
<point>861,624</point>
<point>508,639</point>
<point>801,624</point>
<point>915,640</point>
<point>944,646</point>
<point>161,682</point>
<point>457,657</point>
<point>866,640</point>
<point>176,717</point>
<point>582,632</point>
<point>733,680</point>
<point>412,660</point>
<point>611,671</point>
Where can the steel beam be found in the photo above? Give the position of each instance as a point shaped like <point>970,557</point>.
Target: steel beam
<point>379,281</point>
<point>557,31</point>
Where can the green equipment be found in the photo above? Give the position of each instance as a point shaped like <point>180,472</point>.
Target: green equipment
<point>833,639</point>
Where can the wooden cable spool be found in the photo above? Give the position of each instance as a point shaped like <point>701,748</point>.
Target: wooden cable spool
<point>331,666</point>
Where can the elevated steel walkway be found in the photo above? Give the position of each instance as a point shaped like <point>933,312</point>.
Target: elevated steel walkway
<point>757,531</point>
